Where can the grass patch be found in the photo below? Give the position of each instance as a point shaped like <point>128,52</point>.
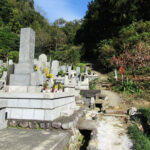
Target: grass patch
<point>145,112</point>
<point>140,140</point>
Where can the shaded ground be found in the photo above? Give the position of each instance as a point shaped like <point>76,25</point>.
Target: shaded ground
<point>27,139</point>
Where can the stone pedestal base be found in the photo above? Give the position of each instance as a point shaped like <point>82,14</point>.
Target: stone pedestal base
<point>20,79</point>
<point>37,106</point>
<point>24,68</point>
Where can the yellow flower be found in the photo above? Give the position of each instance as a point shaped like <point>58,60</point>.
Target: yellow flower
<point>47,75</point>
<point>36,68</point>
<point>51,76</point>
<point>60,85</point>
<point>46,70</point>
<point>56,87</point>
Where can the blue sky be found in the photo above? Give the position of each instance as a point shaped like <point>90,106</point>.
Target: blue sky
<point>67,9</point>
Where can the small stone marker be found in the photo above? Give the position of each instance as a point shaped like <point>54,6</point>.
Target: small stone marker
<point>78,70</point>
<point>63,68</point>
<point>43,61</point>
<point>86,70</point>
<point>10,62</point>
<point>1,62</point>
<point>55,67</point>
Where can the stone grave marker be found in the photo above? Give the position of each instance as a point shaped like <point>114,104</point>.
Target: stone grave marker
<point>63,68</point>
<point>43,61</point>
<point>55,67</point>
<point>1,62</point>
<point>24,69</point>
<point>10,62</point>
<point>86,70</point>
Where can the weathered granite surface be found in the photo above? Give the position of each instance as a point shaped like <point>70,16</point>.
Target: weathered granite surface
<point>37,106</point>
<point>27,139</point>
<point>23,70</point>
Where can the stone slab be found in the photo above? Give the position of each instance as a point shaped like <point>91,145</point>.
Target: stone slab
<point>41,103</point>
<point>20,79</point>
<point>30,139</point>
<point>23,68</point>
<point>34,95</point>
<point>24,89</point>
<point>3,103</point>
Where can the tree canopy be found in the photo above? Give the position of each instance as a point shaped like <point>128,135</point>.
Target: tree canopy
<point>104,24</point>
<point>50,38</point>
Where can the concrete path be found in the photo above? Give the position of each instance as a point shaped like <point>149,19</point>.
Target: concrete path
<point>27,139</point>
<point>112,135</point>
<point>114,99</point>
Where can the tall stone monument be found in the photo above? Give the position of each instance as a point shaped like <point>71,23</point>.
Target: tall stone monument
<point>24,69</point>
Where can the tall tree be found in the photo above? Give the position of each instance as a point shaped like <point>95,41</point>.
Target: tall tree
<point>105,18</point>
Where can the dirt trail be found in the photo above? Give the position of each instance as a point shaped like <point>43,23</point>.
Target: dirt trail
<point>114,98</point>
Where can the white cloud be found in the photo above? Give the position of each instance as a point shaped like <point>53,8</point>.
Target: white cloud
<point>67,9</point>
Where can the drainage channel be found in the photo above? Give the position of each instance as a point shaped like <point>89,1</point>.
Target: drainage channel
<point>110,133</point>
<point>87,136</point>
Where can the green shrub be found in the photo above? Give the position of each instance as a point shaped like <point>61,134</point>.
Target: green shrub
<point>61,73</point>
<point>82,67</point>
<point>92,84</point>
<point>14,55</point>
<point>140,140</point>
<point>145,112</point>
<point>127,87</point>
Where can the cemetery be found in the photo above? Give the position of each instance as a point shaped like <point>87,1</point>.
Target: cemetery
<point>74,75</point>
<point>37,93</point>
<point>55,101</point>
<point>44,94</point>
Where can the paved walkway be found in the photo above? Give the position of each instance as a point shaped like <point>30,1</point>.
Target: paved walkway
<point>27,139</point>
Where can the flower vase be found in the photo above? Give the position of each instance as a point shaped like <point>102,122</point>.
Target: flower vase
<point>53,90</point>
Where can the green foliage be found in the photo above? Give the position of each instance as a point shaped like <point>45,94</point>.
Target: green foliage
<point>15,14</point>
<point>9,41</point>
<point>70,30</point>
<point>5,10</point>
<point>145,112</point>
<point>14,55</point>
<point>61,73</point>
<point>68,55</point>
<point>82,66</point>
<point>92,84</point>
<point>105,51</point>
<point>129,87</point>
<point>141,141</point>
<point>110,24</point>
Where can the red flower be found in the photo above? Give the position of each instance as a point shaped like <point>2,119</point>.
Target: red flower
<point>122,70</point>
